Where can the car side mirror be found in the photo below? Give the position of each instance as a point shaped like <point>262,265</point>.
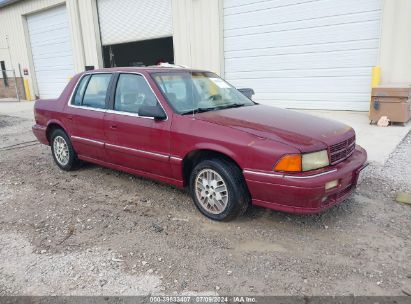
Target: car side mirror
<point>247,92</point>
<point>152,111</point>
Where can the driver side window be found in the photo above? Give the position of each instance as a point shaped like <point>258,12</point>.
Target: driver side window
<point>132,92</point>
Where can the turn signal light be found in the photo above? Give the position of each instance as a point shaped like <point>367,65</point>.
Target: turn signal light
<point>331,184</point>
<point>289,163</point>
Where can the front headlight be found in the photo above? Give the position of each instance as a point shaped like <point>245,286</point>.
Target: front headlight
<point>302,162</point>
<point>315,160</point>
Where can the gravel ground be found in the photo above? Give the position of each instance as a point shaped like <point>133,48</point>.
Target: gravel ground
<point>96,231</point>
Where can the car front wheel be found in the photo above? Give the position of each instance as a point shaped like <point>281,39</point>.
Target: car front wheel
<point>62,150</point>
<point>218,189</point>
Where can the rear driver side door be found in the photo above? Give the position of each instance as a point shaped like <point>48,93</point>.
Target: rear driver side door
<point>85,115</point>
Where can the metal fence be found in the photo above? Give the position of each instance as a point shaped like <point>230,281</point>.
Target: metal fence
<point>9,85</point>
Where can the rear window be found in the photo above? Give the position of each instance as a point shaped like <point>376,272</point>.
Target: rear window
<point>80,91</point>
<point>95,94</point>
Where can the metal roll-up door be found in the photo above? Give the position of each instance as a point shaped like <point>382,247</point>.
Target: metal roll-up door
<point>303,53</point>
<point>124,21</point>
<point>51,50</point>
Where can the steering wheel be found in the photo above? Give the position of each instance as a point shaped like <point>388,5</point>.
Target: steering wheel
<point>215,97</point>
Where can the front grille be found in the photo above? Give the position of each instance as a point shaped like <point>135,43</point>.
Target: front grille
<point>342,150</point>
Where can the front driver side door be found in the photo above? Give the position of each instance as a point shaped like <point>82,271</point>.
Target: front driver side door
<point>139,143</point>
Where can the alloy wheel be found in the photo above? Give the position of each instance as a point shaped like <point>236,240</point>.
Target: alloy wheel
<point>61,150</point>
<point>211,191</point>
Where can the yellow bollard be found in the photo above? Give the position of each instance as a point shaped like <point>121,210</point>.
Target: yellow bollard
<point>27,89</point>
<point>375,76</point>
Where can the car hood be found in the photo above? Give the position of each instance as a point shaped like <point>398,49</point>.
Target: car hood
<point>303,131</point>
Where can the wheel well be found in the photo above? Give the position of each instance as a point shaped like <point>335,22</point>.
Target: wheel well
<point>50,128</point>
<point>194,157</point>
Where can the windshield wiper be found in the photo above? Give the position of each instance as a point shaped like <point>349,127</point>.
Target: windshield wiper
<point>234,105</point>
<point>201,110</point>
<point>198,110</point>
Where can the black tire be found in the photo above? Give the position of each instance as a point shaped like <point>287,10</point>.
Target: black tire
<point>72,162</point>
<point>238,195</point>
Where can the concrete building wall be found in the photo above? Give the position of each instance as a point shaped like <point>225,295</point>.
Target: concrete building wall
<point>395,49</point>
<point>197,34</point>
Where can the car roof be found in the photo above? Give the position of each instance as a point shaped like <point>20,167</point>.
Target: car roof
<point>148,69</point>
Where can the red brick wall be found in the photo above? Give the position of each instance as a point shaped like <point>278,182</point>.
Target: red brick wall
<point>10,91</point>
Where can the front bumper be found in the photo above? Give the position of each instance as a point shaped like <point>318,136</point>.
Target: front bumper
<point>305,193</point>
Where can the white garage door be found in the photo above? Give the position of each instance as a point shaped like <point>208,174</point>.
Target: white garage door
<point>303,53</point>
<point>51,50</point>
<point>124,21</point>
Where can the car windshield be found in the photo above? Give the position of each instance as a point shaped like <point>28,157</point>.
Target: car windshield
<point>193,92</point>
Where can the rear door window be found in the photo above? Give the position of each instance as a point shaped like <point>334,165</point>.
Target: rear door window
<point>95,94</point>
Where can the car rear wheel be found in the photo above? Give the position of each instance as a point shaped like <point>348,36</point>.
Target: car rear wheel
<point>62,150</point>
<point>218,189</point>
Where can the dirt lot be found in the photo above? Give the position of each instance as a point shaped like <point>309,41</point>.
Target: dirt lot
<point>97,231</point>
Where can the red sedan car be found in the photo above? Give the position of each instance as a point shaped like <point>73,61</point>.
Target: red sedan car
<point>191,128</point>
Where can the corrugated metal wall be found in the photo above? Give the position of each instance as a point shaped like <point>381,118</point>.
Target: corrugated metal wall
<point>90,32</point>
<point>12,24</point>
<point>395,50</point>
<point>197,34</point>
<point>83,30</point>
